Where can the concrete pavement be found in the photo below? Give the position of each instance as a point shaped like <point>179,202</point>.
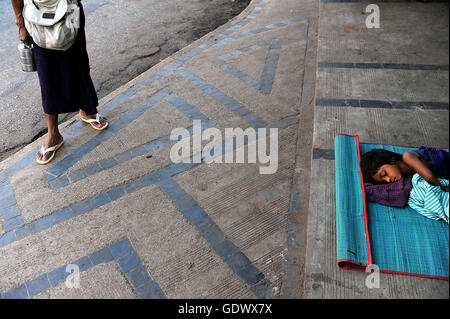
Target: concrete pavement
<point>137,225</point>
<point>389,86</point>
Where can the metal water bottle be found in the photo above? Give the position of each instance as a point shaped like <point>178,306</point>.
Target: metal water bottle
<point>26,57</point>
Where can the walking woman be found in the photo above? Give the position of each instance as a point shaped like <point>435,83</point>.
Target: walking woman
<point>64,77</point>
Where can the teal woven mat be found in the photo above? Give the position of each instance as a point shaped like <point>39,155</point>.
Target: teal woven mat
<point>397,240</point>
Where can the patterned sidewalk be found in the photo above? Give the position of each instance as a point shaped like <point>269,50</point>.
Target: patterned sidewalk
<point>138,225</point>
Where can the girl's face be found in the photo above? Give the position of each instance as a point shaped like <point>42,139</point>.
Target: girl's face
<point>388,173</point>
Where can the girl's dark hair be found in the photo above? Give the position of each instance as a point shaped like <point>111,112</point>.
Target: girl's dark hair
<point>374,159</point>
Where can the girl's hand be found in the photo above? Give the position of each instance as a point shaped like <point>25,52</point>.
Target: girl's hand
<point>444,188</point>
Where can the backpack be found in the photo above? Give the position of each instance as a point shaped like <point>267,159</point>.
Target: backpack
<point>53,24</point>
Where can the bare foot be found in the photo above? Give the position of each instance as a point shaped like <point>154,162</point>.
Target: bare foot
<point>51,141</point>
<point>103,121</point>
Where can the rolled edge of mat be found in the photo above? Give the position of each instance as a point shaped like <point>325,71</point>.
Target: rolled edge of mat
<point>353,240</point>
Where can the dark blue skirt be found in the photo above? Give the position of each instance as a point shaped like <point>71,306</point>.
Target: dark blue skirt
<point>66,84</point>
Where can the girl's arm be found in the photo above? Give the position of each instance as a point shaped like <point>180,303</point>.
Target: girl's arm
<point>23,33</point>
<point>417,163</point>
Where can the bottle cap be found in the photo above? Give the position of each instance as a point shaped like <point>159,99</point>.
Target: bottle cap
<point>22,46</point>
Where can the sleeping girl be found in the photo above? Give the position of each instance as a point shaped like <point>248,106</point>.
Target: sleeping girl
<point>418,178</point>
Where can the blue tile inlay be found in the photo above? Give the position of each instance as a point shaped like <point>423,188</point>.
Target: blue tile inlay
<point>273,56</point>
<point>266,83</point>
<point>263,29</point>
<point>60,182</point>
<point>8,201</point>
<point>81,208</point>
<point>188,109</point>
<point>92,169</point>
<point>120,248</point>
<point>115,193</point>
<point>138,151</point>
<point>210,231</point>
<point>98,201</point>
<point>57,276</point>
<point>382,104</point>
<point>17,293</point>
<point>134,186</point>
<point>123,157</point>
<point>63,215</point>
<point>122,252</point>
<point>323,153</point>
<point>6,192</point>
<point>247,19</point>
<point>42,223</point>
<point>148,287</point>
<point>395,66</point>
<point>13,223</point>
<point>244,77</point>
<point>7,238</point>
<point>38,285</point>
<point>84,263</point>
<point>123,97</point>
<point>9,212</point>
<point>138,276</point>
<point>150,290</point>
<point>101,256</point>
<point>194,214</point>
<point>71,159</point>
<point>108,163</point>
<point>19,165</point>
<point>119,99</point>
<point>129,262</point>
<point>222,98</point>
<point>76,176</point>
<point>132,266</point>
<point>227,251</point>
<point>19,233</point>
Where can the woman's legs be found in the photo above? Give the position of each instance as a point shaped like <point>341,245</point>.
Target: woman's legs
<point>54,137</point>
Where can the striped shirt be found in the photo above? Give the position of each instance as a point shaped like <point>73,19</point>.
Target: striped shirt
<point>430,201</point>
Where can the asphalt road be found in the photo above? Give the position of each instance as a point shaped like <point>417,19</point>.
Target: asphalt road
<point>124,39</point>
